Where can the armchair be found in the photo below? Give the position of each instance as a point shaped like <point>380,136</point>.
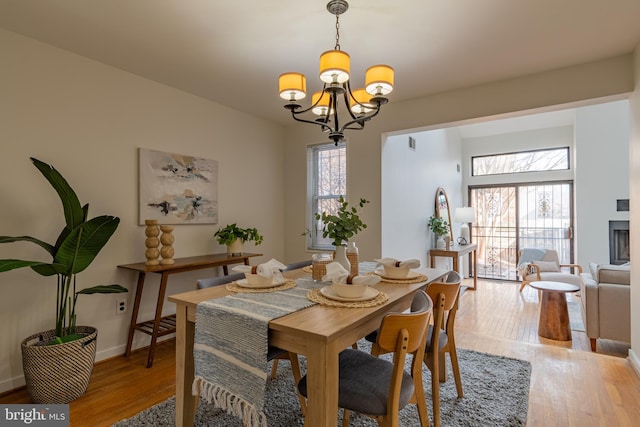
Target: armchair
<point>544,264</point>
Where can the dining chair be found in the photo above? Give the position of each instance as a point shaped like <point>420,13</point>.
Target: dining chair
<point>297,265</point>
<point>380,388</point>
<point>273,353</point>
<point>441,339</point>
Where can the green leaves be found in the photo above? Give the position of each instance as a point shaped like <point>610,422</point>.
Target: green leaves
<point>343,225</point>
<point>229,233</point>
<point>76,247</point>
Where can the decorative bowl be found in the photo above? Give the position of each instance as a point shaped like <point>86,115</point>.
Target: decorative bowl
<point>396,272</point>
<point>258,280</point>
<point>349,291</point>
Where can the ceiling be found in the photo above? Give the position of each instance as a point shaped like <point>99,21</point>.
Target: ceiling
<point>232,52</point>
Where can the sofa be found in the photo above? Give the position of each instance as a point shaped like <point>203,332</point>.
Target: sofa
<point>605,294</point>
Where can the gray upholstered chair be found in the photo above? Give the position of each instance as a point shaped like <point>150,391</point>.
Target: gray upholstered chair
<point>379,388</point>
<point>297,265</point>
<point>546,267</point>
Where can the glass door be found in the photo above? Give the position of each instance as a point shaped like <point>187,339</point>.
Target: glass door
<point>515,216</point>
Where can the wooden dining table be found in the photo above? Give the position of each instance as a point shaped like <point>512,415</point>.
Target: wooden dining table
<point>318,332</point>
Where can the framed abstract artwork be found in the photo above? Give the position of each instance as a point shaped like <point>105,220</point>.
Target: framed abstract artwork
<point>177,188</point>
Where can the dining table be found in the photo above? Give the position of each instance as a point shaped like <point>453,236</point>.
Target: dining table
<point>318,332</point>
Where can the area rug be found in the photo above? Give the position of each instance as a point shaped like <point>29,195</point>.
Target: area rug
<point>575,316</point>
<point>496,393</point>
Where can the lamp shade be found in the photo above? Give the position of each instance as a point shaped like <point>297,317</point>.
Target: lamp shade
<point>335,66</point>
<point>359,102</point>
<point>465,215</point>
<point>293,86</point>
<point>379,80</point>
<point>322,107</point>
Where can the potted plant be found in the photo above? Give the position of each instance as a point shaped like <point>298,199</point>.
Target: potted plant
<point>342,226</point>
<point>58,363</point>
<point>440,227</point>
<point>234,237</point>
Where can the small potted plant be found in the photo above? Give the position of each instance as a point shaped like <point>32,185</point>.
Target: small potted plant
<point>342,226</point>
<point>234,237</point>
<point>58,363</point>
<point>440,227</point>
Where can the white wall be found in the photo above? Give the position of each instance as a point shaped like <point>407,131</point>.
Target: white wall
<point>634,167</point>
<point>602,177</point>
<point>409,183</point>
<point>89,120</point>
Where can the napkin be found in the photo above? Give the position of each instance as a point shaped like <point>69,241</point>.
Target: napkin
<point>272,268</point>
<point>336,273</point>
<point>391,262</point>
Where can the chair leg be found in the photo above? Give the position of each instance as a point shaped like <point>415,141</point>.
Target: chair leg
<point>295,369</point>
<point>421,402</point>
<point>442,358</point>
<point>435,387</point>
<point>522,285</point>
<point>593,344</point>
<point>456,370</point>
<point>274,369</point>
<point>345,417</point>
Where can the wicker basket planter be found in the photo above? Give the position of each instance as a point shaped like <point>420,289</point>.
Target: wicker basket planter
<point>60,373</point>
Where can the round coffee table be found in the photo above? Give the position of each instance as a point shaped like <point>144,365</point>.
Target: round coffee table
<point>554,314</point>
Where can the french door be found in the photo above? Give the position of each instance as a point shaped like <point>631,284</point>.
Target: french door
<point>515,216</point>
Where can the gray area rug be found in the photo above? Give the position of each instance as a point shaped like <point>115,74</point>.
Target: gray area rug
<point>575,316</point>
<point>496,393</point>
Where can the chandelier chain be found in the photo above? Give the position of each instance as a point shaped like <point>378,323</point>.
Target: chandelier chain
<point>337,32</point>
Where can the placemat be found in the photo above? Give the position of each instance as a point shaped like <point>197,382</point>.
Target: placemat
<point>315,296</point>
<point>307,269</point>
<point>234,287</point>
<point>419,278</point>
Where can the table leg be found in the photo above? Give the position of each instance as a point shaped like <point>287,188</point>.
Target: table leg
<point>322,384</point>
<point>554,316</point>
<point>432,261</point>
<point>473,265</point>
<point>156,321</point>
<point>186,403</point>
<point>456,263</point>
<point>134,313</point>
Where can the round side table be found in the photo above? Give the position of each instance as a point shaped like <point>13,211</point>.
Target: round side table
<point>554,314</point>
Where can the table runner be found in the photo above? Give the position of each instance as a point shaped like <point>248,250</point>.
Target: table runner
<point>231,344</point>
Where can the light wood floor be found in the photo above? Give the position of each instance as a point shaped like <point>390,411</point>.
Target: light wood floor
<point>570,385</point>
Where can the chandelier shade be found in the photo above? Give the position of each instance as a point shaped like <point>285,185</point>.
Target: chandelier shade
<point>320,100</point>
<point>379,80</point>
<point>335,66</point>
<point>293,86</point>
<point>360,105</point>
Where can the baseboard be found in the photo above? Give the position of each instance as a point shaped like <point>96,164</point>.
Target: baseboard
<point>635,361</point>
<point>12,384</point>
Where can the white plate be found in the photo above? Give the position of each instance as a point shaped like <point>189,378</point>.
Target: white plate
<point>411,275</point>
<point>369,294</point>
<point>244,284</point>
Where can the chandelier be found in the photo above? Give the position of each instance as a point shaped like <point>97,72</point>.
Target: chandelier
<point>360,105</point>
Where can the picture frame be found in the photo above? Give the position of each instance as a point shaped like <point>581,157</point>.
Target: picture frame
<point>177,188</point>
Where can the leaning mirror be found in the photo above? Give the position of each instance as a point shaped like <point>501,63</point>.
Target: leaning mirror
<point>443,210</point>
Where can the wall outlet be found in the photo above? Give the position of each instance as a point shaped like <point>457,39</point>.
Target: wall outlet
<point>121,306</point>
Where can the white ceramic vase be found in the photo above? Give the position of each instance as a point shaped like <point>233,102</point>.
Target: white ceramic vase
<point>440,243</point>
<point>341,257</point>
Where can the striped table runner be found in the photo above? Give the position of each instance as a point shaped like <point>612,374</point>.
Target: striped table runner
<point>230,348</point>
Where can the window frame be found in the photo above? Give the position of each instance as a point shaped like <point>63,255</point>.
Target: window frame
<point>315,241</point>
<point>567,149</point>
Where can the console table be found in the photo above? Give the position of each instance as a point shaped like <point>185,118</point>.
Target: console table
<point>161,326</point>
<point>455,252</point>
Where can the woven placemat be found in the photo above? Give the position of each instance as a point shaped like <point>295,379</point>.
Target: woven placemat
<point>419,278</point>
<point>307,269</point>
<point>234,287</point>
<point>315,296</point>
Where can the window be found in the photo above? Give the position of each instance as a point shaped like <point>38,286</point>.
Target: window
<point>327,182</point>
<point>525,161</point>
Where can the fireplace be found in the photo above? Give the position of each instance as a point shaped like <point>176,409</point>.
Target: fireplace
<point>618,242</point>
